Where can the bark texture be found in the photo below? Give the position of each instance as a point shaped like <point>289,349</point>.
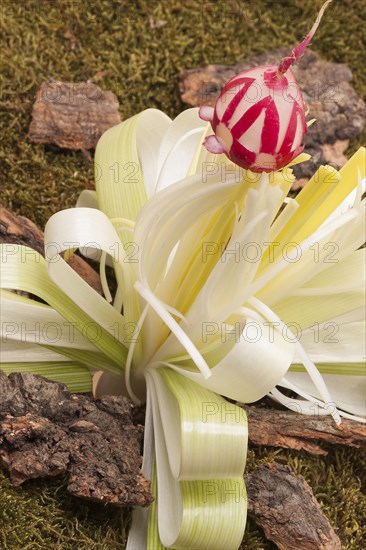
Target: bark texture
<point>295,431</point>
<point>45,431</point>
<point>283,504</point>
<point>72,115</point>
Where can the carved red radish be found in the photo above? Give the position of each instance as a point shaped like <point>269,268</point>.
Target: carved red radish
<point>259,118</point>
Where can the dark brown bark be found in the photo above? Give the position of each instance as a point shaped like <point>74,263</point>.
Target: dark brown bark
<point>21,230</point>
<point>46,431</point>
<point>283,504</point>
<point>72,115</point>
<point>295,431</point>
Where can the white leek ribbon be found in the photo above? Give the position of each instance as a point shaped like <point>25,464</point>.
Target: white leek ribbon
<point>200,445</point>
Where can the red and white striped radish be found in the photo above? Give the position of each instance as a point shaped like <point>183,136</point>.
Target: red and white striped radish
<point>259,118</point>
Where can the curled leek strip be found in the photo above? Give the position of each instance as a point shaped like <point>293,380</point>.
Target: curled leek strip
<point>200,444</point>
<point>31,276</point>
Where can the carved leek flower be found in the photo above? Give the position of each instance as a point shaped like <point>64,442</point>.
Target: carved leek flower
<point>224,287</point>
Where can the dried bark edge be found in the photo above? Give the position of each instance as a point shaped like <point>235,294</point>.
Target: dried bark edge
<point>291,430</point>
<point>73,115</point>
<point>46,431</point>
<point>283,504</point>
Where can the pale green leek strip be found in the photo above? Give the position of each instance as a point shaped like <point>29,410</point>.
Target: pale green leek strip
<point>76,377</point>
<point>199,265</point>
<point>205,161</point>
<point>338,191</point>
<point>214,514</point>
<point>281,222</point>
<point>19,350</point>
<point>311,211</point>
<point>208,512</point>
<point>181,143</point>
<point>309,310</point>
<point>118,177</point>
<point>336,341</point>
<point>348,369</point>
<point>29,327</point>
<point>31,276</point>
<point>90,359</point>
<point>178,332</point>
<point>253,365</point>
<point>153,539</point>
<point>208,448</point>
<point>157,236</point>
<point>198,252</point>
<point>138,533</point>
<point>103,278</point>
<point>285,275</point>
<point>91,228</point>
<point>353,199</point>
<point>188,262</point>
<point>13,351</point>
<point>338,275</point>
<point>312,371</point>
<point>87,199</point>
<point>229,280</point>
<point>308,404</point>
<point>233,275</point>
<point>10,295</point>
<point>126,166</point>
<point>187,201</point>
<point>204,250</point>
<point>317,200</point>
<point>188,269</point>
<point>304,156</point>
<point>211,493</point>
<point>30,322</point>
<point>118,172</point>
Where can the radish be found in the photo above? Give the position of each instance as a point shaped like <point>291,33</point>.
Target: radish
<point>259,118</point>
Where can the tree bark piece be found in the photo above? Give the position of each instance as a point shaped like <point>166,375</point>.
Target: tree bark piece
<point>72,115</point>
<point>295,431</point>
<point>21,230</point>
<point>45,431</point>
<point>283,504</point>
<point>338,110</point>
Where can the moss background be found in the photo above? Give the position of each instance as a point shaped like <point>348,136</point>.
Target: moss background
<point>75,40</point>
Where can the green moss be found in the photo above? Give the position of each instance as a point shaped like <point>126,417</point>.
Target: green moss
<point>42,514</point>
<point>72,41</point>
